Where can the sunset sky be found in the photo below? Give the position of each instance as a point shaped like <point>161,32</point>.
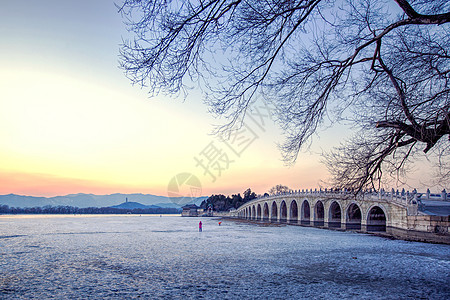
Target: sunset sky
<point>71,122</point>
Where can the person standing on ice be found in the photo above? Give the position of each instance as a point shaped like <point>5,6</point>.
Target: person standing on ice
<point>200,226</point>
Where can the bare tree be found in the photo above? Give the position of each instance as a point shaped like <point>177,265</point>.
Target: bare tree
<point>279,189</point>
<point>383,65</point>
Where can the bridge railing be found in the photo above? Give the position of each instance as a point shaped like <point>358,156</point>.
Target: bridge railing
<point>403,198</point>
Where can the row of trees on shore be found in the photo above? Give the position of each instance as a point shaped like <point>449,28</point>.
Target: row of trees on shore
<point>5,209</point>
<point>221,202</point>
<point>224,203</point>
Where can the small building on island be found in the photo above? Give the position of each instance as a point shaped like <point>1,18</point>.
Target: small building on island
<point>190,210</point>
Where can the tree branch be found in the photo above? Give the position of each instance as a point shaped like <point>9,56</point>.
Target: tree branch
<point>424,19</point>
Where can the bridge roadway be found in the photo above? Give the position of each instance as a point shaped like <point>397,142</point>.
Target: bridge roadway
<point>396,214</point>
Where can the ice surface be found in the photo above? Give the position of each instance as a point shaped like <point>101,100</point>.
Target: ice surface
<point>166,257</point>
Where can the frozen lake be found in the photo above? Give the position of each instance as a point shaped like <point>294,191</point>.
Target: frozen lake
<point>166,257</point>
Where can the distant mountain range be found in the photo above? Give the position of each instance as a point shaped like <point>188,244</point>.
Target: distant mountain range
<point>91,200</point>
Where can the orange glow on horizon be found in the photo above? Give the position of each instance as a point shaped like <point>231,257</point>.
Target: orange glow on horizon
<point>259,181</point>
<point>43,185</point>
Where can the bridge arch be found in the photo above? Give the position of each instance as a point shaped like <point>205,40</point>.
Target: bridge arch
<point>274,215</point>
<point>334,215</point>
<point>376,219</point>
<point>353,217</point>
<point>258,212</point>
<point>265,212</point>
<point>283,211</point>
<point>254,213</point>
<point>293,212</point>
<point>305,213</point>
<point>319,214</point>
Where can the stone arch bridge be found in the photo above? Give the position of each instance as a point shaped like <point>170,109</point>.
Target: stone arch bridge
<point>396,214</point>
